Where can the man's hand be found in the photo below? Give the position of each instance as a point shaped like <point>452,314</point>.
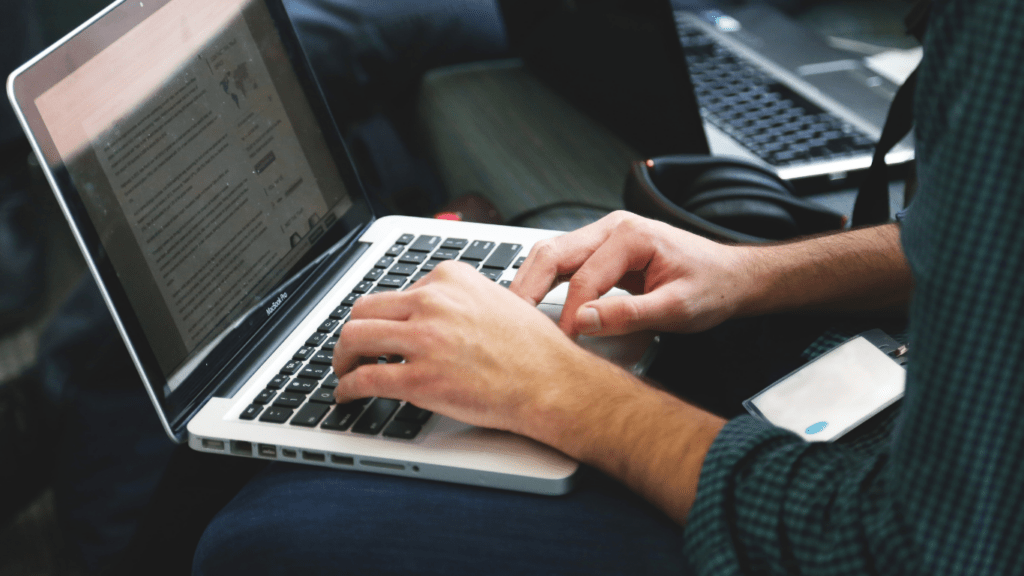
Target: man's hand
<point>680,282</point>
<point>473,351</point>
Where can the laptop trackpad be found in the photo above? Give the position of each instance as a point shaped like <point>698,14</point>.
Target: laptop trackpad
<point>633,352</point>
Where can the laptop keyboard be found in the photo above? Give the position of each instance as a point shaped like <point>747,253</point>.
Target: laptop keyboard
<point>771,120</point>
<point>302,394</point>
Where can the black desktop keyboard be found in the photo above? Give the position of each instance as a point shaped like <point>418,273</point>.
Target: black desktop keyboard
<point>777,124</point>
<point>302,394</point>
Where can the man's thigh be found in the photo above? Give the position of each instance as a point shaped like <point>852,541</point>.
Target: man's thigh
<point>298,519</point>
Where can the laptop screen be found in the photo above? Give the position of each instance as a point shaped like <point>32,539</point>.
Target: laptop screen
<point>200,158</point>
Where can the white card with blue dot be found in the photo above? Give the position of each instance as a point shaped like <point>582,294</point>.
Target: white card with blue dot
<point>832,394</point>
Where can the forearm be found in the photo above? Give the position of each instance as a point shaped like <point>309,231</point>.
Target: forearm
<point>859,270</point>
<point>651,441</point>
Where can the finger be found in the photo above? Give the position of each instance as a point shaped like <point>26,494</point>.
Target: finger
<point>382,306</point>
<point>556,257</point>
<point>616,315</point>
<point>371,338</point>
<point>369,380</point>
<point>619,255</point>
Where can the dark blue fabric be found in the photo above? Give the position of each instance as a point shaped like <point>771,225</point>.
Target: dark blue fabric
<point>295,519</point>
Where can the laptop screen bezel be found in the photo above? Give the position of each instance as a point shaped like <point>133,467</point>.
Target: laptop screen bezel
<point>37,76</point>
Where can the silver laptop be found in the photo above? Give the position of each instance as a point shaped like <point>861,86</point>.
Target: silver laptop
<point>749,83</point>
<point>774,92</point>
<point>194,158</point>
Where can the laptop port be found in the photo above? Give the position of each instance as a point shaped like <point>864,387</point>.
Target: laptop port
<point>343,460</point>
<point>213,444</point>
<point>287,453</point>
<point>267,450</point>
<point>313,456</point>
<point>385,465</point>
<point>241,448</point>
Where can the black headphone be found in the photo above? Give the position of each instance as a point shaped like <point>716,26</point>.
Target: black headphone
<point>723,198</point>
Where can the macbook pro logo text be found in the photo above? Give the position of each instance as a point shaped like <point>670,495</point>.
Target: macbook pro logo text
<point>276,303</point>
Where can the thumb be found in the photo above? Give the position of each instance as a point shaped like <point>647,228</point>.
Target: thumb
<point>616,315</point>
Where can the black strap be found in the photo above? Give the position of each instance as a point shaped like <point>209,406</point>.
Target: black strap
<point>872,205</point>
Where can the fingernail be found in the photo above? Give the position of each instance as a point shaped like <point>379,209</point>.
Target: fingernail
<point>589,321</point>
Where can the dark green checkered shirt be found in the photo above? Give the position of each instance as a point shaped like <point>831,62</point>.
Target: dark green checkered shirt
<point>944,494</point>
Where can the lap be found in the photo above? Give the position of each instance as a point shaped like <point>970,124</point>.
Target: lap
<point>293,518</point>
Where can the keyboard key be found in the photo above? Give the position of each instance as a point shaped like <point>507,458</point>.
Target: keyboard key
<point>304,353</point>
<point>505,283</point>
<point>402,430</point>
<point>350,300</point>
<point>430,265</point>
<point>472,263</point>
<point>492,274</point>
<point>413,258</point>
<point>519,262</point>
<point>425,244</point>
<point>331,381</point>
<point>373,274</point>
<point>363,287</point>
<point>301,386</point>
<point>330,343</point>
<point>395,250</point>
<point>277,382</point>
<point>276,414</point>
<point>342,417</point>
<point>289,400</point>
<point>341,312</point>
<point>445,254</point>
<point>404,239</point>
<point>291,367</point>
<point>454,244</point>
<point>410,413</point>
<point>315,372</point>
<point>380,289</point>
<point>323,395</point>
<point>310,415</point>
<point>384,262</point>
<point>419,276</point>
<point>322,357</point>
<point>328,325</point>
<point>251,412</point>
<point>317,339</point>
<point>264,397</point>
<point>376,415</point>
<point>402,270</point>
<point>392,281</point>
<point>478,250</point>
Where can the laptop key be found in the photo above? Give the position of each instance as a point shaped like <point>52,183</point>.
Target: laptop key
<point>330,343</point>
<point>310,415</point>
<point>380,289</point>
<point>430,265</point>
<point>291,367</point>
<point>342,417</point>
<point>419,276</point>
<point>277,382</point>
<point>444,254</point>
<point>331,381</point>
<point>492,274</point>
<point>264,397</point>
<point>328,325</point>
<point>276,414</point>
<point>405,239</point>
<point>395,250</point>
<point>519,262</point>
<point>301,386</point>
<point>402,270</point>
<point>251,412</point>
<point>478,250</point>
<point>315,372</point>
<point>373,274</point>
<point>289,400</point>
<point>413,258</point>
<point>425,244</point>
<point>322,357</point>
<point>503,256</point>
<point>304,353</point>
<point>363,287</point>
<point>402,430</point>
<point>323,395</point>
<point>350,300</point>
<point>505,283</point>
<point>454,244</point>
<point>410,413</point>
<point>317,338</point>
<point>341,312</point>
<point>378,413</point>
<point>391,281</point>
<point>384,262</point>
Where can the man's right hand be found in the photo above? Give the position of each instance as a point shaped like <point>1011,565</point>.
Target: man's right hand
<point>679,281</point>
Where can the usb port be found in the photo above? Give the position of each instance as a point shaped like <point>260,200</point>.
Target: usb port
<point>289,453</point>
<point>268,450</point>
<point>313,456</point>
<point>213,444</point>
<point>241,448</point>
<point>343,460</point>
